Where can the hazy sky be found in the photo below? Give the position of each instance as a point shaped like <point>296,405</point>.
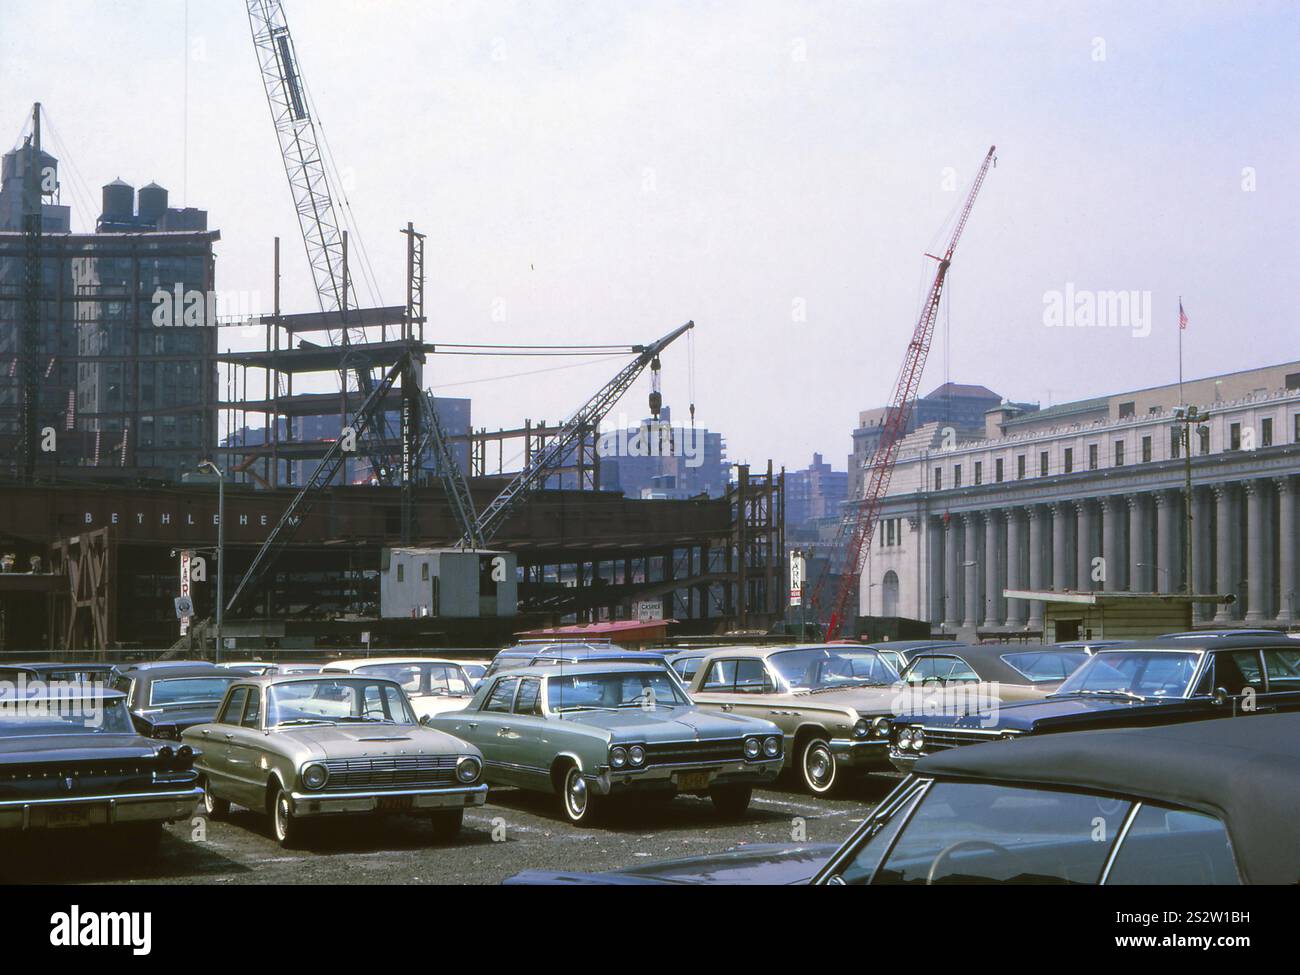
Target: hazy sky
<point>605,171</point>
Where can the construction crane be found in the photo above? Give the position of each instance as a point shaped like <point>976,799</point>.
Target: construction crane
<point>858,526</point>
<point>553,454</point>
<point>324,240</point>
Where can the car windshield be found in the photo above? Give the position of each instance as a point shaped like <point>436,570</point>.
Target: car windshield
<point>641,689</point>
<point>188,690</point>
<point>336,701</point>
<point>474,671</point>
<point>423,680</point>
<point>1045,665</point>
<point>817,668</point>
<point>1149,673</point>
<point>63,715</point>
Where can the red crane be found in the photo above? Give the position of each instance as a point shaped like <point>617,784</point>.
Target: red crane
<point>859,524</point>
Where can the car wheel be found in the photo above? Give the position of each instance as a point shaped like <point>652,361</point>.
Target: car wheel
<point>446,823</point>
<point>731,801</point>
<point>288,828</point>
<point>817,765</point>
<point>214,807</point>
<point>579,800</point>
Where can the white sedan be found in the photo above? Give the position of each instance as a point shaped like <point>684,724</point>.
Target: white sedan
<point>434,685</point>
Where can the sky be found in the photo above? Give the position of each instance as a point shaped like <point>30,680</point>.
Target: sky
<point>599,173</point>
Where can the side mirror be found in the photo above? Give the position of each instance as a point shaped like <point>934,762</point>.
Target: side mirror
<point>427,720</point>
<point>1220,696</point>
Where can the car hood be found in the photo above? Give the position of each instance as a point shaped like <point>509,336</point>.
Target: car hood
<point>672,724</point>
<point>368,740</point>
<point>62,748</point>
<point>767,863</point>
<point>1047,712</point>
<point>864,700</point>
<point>181,717</point>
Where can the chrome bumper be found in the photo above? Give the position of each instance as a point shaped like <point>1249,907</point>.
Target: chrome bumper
<point>903,761</point>
<point>865,752</point>
<point>128,807</point>
<point>656,777</point>
<point>422,800</point>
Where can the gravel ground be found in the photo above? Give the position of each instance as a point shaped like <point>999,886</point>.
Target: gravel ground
<point>514,831</point>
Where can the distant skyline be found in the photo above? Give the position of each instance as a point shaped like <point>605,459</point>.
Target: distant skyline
<point>774,171</point>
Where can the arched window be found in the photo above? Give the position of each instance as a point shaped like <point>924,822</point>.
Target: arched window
<point>889,594</point>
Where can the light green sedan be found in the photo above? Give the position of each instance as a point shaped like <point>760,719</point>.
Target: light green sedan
<point>589,731</point>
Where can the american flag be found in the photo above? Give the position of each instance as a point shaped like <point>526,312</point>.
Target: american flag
<point>1182,315</point>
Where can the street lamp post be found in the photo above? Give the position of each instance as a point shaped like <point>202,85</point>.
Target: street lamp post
<point>221,550</point>
<point>1188,417</point>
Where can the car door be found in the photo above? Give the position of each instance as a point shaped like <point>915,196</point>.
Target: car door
<point>215,740</point>
<point>528,741</point>
<point>245,749</point>
<point>480,727</point>
<point>1241,674</point>
<point>717,687</point>
<point>1282,669</point>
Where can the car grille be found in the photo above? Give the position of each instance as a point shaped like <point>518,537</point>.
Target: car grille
<point>679,752</point>
<point>939,740</point>
<point>395,771</point>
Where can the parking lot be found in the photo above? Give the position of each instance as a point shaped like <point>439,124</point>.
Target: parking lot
<point>514,831</point>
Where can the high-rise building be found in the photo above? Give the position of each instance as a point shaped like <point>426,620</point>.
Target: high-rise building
<point>666,460</point>
<point>126,334</point>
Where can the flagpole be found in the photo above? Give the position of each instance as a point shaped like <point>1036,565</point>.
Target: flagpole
<point>1180,350</point>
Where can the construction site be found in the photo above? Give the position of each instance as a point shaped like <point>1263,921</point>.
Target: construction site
<point>268,514</point>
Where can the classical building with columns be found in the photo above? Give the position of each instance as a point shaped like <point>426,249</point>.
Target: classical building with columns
<point>1091,496</point>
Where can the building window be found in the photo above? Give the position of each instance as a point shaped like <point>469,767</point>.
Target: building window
<point>1020,467</point>
<point>401,572</point>
<point>938,478</point>
<point>1119,453</point>
<point>1293,380</point>
<point>1146,450</point>
<point>1042,464</point>
<point>1127,409</point>
<point>1092,456</point>
<point>1069,460</point>
<point>1203,433</point>
<point>1266,432</point>
<point>424,571</point>
<point>979,472</point>
<point>1295,433</point>
<point>997,469</point>
<point>1175,442</point>
<point>956,475</point>
<point>1234,437</point>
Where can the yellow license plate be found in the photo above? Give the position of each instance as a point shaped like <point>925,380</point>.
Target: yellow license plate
<point>395,803</point>
<point>692,781</point>
<point>67,818</point>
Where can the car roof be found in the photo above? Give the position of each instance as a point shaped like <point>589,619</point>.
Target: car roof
<point>59,665</point>
<point>1223,634</point>
<point>147,665</point>
<point>763,652</point>
<point>987,658</point>
<point>1235,642</point>
<point>1245,770</point>
<point>191,670</point>
<point>583,667</point>
<point>364,661</point>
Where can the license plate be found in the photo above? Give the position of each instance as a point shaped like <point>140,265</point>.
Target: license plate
<point>395,803</point>
<point>67,818</point>
<point>692,781</point>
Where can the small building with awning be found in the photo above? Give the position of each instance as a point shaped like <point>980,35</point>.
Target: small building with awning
<point>1070,616</point>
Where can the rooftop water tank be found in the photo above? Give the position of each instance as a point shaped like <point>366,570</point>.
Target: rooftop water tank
<point>119,200</point>
<point>153,203</point>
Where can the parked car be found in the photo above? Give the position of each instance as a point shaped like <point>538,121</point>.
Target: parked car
<point>831,702</point>
<point>592,730</point>
<point>432,685</point>
<point>475,670</point>
<point>66,671</point>
<point>1205,802</point>
<point>555,654</point>
<point>900,652</point>
<point>76,761</point>
<point>303,747</point>
<point>1153,682</point>
<point>166,698</point>
<point>686,663</point>
<point>1019,672</point>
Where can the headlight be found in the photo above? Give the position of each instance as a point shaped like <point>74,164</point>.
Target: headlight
<point>753,747</point>
<point>636,755</point>
<point>314,776</point>
<point>468,769</point>
<point>617,756</point>
<point>881,727</point>
<point>861,728</point>
<point>918,739</point>
<point>905,738</point>
<point>771,747</point>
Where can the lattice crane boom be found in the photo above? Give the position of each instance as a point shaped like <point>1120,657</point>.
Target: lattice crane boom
<point>858,528</point>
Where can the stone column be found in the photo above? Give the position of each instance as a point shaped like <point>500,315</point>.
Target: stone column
<point>1256,552</point>
<point>992,590</point>
<point>1168,537</point>
<point>971,612</point>
<point>1037,516</point>
<point>1111,511</point>
<point>1288,579</point>
<point>1015,567</point>
<point>1061,512</point>
<point>1139,544</point>
<point>934,569</point>
<point>951,582</point>
<point>1223,581</point>
<point>1086,546</point>
<point>1202,549</point>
